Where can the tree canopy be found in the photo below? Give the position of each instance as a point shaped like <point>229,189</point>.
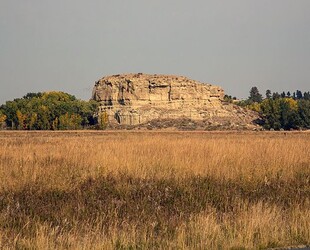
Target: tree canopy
<point>48,110</point>
<point>281,111</point>
<point>255,96</point>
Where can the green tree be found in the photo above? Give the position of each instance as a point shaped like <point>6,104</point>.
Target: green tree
<point>307,95</point>
<point>276,95</point>
<point>270,112</point>
<point>70,121</point>
<point>304,113</point>
<point>10,109</point>
<point>282,113</point>
<point>268,94</point>
<point>22,123</point>
<point>32,95</point>
<point>43,118</point>
<point>33,121</point>
<point>255,96</point>
<point>283,95</point>
<point>43,111</point>
<point>288,114</point>
<point>298,94</point>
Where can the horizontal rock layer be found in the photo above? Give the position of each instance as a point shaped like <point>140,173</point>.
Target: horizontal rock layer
<point>132,99</point>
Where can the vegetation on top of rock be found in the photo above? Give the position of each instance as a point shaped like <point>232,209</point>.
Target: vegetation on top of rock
<point>157,101</point>
<point>47,110</point>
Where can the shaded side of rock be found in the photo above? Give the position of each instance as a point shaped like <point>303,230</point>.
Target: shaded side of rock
<point>136,99</point>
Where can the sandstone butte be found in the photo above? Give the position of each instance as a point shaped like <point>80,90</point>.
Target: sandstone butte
<point>137,100</point>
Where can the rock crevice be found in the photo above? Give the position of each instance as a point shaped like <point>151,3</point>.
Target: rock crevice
<point>133,99</point>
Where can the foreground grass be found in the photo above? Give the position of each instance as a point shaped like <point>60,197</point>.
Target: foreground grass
<point>91,190</point>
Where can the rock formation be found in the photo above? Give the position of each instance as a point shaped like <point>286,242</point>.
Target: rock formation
<point>135,99</point>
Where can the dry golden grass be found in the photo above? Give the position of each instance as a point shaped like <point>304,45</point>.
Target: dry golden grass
<point>166,190</point>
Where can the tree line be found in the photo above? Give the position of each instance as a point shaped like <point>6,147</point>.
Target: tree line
<point>280,110</point>
<point>48,111</point>
<point>61,111</point>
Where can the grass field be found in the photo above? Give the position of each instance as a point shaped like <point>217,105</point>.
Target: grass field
<point>154,190</point>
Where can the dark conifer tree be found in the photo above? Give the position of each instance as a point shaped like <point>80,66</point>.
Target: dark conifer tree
<point>307,95</point>
<point>276,95</point>
<point>255,96</point>
<point>298,94</point>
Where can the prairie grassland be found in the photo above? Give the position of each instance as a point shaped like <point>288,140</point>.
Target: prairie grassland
<point>154,190</point>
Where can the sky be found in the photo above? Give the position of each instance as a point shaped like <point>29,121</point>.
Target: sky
<point>66,45</point>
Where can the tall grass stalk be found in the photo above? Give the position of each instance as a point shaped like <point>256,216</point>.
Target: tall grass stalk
<point>162,190</point>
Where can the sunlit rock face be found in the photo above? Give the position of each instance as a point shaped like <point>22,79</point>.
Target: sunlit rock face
<point>131,99</point>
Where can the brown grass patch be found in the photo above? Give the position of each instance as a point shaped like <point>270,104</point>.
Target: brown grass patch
<point>137,190</point>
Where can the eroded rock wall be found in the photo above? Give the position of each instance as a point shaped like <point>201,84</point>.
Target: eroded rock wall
<point>132,99</point>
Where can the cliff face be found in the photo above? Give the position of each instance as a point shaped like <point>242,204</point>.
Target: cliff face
<point>132,99</point>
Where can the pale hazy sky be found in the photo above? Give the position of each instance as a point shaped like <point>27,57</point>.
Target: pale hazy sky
<point>67,45</point>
